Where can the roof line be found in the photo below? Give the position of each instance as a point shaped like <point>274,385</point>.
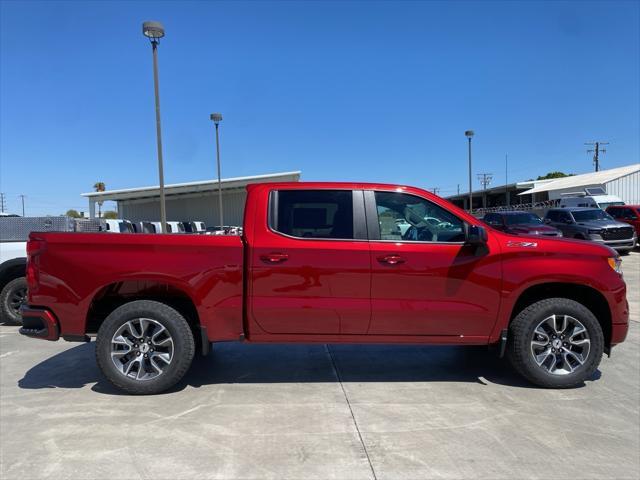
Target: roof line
<point>190,184</point>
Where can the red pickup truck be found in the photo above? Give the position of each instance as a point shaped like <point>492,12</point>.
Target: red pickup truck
<point>328,262</point>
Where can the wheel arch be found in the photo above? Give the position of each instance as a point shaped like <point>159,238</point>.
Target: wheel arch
<point>115,294</point>
<point>583,294</point>
<point>12,269</point>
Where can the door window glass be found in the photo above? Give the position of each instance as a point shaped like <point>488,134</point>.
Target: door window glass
<point>404,217</point>
<point>315,213</point>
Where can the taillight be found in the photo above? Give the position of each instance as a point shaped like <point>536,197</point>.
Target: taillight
<point>34,248</point>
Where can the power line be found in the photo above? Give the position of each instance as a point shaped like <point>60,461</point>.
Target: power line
<point>596,151</point>
<point>485,180</point>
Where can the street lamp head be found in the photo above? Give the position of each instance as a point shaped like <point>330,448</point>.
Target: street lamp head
<point>216,117</point>
<point>468,133</point>
<point>153,30</point>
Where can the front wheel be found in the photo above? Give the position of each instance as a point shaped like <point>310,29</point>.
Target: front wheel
<point>556,343</point>
<point>144,347</point>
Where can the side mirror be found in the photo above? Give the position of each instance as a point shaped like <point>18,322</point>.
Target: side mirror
<point>546,220</point>
<point>476,235</point>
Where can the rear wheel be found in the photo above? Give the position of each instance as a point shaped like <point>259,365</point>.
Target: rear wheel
<point>556,343</point>
<point>144,347</point>
<point>12,297</point>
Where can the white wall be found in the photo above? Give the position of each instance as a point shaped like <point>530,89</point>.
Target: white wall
<point>627,188</point>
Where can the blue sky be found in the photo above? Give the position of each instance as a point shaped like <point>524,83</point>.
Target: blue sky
<point>372,91</point>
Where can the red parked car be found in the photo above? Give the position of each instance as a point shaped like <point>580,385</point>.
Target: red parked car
<point>520,223</point>
<point>628,214</point>
<point>328,262</point>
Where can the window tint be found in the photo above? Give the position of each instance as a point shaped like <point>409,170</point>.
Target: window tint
<point>553,215</point>
<point>523,219</point>
<point>404,217</point>
<point>315,213</point>
<point>493,219</point>
<point>586,215</point>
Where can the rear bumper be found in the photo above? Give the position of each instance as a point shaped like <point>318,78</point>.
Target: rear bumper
<point>39,323</point>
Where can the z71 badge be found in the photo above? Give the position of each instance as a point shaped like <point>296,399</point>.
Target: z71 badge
<point>512,243</point>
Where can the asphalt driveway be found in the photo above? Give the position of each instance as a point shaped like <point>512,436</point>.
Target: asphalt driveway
<point>316,411</point>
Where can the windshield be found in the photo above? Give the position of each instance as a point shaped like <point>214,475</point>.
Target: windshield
<point>523,218</point>
<point>587,215</point>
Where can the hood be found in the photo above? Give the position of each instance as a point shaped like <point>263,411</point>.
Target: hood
<point>531,228</point>
<point>602,224</point>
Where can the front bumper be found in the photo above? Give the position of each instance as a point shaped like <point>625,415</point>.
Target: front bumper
<point>625,244</point>
<point>39,323</point>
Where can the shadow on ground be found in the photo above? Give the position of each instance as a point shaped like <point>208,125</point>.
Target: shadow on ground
<point>247,363</point>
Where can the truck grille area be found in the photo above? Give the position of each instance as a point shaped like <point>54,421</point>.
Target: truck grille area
<point>621,233</point>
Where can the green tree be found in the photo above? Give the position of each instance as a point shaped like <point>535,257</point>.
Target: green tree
<point>99,187</point>
<point>554,175</point>
<point>73,213</point>
<point>110,214</point>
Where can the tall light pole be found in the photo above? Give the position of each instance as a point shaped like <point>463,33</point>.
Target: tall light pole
<point>154,31</point>
<point>469,134</point>
<point>217,118</point>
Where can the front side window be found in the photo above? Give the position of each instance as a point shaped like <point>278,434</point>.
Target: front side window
<point>314,213</point>
<point>404,217</point>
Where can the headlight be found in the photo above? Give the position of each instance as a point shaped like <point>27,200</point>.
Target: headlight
<point>560,234</point>
<point>616,264</point>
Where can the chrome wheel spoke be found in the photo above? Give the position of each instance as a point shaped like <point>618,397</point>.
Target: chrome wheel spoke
<point>542,357</point>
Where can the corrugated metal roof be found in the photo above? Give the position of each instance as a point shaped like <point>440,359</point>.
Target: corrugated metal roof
<point>191,187</point>
<point>585,179</point>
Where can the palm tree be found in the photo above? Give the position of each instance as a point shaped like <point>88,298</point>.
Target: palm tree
<point>99,187</point>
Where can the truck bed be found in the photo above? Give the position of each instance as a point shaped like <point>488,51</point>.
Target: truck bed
<point>83,274</point>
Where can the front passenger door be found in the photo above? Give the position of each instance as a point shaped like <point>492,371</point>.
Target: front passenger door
<point>427,281</point>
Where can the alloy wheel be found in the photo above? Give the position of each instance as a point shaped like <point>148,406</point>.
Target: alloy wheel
<point>142,349</point>
<point>560,344</point>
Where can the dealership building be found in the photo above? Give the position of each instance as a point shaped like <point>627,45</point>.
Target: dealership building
<point>186,201</point>
<point>623,182</point>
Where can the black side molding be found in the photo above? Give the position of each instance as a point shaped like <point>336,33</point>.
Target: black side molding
<point>204,341</point>
<point>503,342</point>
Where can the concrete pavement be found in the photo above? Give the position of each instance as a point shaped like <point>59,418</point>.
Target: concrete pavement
<point>315,411</point>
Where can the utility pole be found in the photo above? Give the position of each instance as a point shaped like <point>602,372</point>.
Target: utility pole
<point>458,189</point>
<point>596,152</point>
<point>485,180</point>
<point>22,197</point>
<point>506,179</point>
<point>435,190</point>
<point>3,204</point>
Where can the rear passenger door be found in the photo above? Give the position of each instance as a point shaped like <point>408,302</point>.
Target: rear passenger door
<point>311,271</point>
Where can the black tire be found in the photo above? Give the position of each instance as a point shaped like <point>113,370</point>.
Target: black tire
<point>172,321</point>
<point>521,331</point>
<point>13,295</point>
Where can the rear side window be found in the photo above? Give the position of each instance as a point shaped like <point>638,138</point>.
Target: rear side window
<point>313,213</point>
